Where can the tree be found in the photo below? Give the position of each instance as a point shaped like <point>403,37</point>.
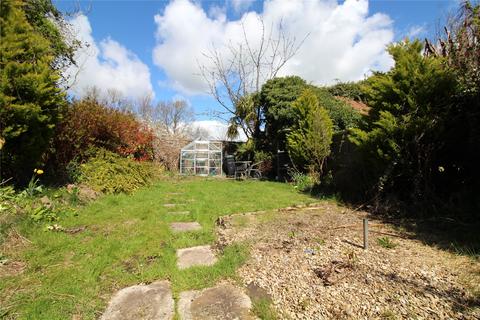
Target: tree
<point>308,143</point>
<point>50,23</point>
<point>276,99</point>
<point>30,98</point>
<point>174,117</point>
<point>235,73</point>
<point>171,122</point>
<point>351,90</point>
<point>407,124</point>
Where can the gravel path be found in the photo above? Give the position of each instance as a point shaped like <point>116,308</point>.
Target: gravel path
<point>311,262</point>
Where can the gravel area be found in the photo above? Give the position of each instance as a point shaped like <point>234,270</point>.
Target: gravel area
<point>311,261</point>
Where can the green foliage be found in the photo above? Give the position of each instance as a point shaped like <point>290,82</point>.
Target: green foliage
<point>108,172</point>
<point>7,197</point>
<point>43,213</point>
<point>308,143</point>
<point>343,116</point>
<point>386,243</point>
<point>51,24</point>
<point>266,161</point>
<point>409,104</point>
<point>33,186</point>
<point>30,98</point>
<point>276,98</point>
<point>246,118</point>
<point>351,90</point>
<point>304,182</point>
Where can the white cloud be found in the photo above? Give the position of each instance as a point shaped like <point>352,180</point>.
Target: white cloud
<point>416,31</point>
<point>240,5</point>
<point>344,41</point>
<point>216,130</point>
<point>106,65</point>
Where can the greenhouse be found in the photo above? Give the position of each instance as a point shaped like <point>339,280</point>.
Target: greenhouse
<point>201,157</point>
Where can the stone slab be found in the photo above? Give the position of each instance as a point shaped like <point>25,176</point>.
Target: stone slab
<point>195,256</point>
<point>257,293</point>
<point>169,205</point>
<point>223,302</point>
<point>179,212</point>
<point>148,302</point>
<point>185,226</point>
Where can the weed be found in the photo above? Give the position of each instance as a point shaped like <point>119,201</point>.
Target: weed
<point>388,315</point>
<point>463,250</point>
<point>352,259</point>
<point>303,182</point>
<point>74,198</point>
<point>292,234</point>
<point>386,243</point>
<point>43,213</point>
<point>263,309</point>
<point>304,304</point>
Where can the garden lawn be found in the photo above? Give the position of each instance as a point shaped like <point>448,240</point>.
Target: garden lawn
<point>127,241</point>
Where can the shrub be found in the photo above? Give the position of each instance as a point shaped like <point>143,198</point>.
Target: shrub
<point>343,115</point>
<point>108,172</point>
<point>88,123</point>
<point>304,182</point>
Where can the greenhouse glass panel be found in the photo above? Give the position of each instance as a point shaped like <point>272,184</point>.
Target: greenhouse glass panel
<point>202,157</point>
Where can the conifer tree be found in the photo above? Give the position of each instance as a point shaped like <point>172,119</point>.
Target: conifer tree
<point>308,143</point>
<point>30,98</point>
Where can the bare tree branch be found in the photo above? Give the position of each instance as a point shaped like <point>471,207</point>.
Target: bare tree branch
<point>238,70</point>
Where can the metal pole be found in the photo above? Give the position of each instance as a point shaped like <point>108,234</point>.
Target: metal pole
<point>365,233</point>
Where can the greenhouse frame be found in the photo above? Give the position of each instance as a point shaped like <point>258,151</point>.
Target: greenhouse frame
<point>202,158</point>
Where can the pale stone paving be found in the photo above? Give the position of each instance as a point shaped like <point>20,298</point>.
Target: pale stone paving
<point>195,256</point>
<point>155,301</point>
<point>148,302</point>
<point>223,302</point>
<point>185,226</point>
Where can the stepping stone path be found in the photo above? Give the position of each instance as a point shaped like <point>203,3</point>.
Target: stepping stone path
<point>195,256</point>
<point>152,302</point>
<point>185,226</point>
<point>223,302</point>
<point>179,212</point>
<point>155,301</point>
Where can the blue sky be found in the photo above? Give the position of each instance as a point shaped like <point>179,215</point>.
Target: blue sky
<point>131,27</point>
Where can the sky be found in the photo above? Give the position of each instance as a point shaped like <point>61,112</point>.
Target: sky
<point>156,47</point>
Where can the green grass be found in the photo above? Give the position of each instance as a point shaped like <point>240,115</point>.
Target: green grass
<point>264,310</point>
<point>127,241</point>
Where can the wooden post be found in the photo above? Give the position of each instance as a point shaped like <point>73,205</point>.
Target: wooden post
<point>365,233</point>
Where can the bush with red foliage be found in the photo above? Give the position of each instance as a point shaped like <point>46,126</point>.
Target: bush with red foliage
<point>88,123</point>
